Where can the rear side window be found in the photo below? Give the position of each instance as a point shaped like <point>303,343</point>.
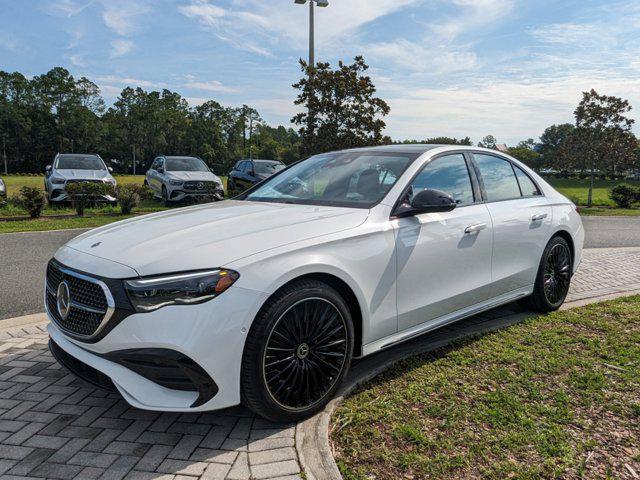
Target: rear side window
<point>498,177</point>
<point>526,184</point>
<point>448,174</point>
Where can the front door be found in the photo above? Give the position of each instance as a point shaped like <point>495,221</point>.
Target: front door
<point>443,259</point>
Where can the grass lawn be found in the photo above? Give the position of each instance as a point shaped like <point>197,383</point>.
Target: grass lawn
<point>578,189</point>
<point>610,212</point>
<point>44,223</point>
<point>94,217</point>
<point>557,396</point>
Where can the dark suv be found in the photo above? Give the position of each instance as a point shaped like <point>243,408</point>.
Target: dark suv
<point>246,173</point>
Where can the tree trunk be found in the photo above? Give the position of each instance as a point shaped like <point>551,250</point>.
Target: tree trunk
<point>589,199</point>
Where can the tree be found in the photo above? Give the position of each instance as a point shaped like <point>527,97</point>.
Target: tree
<point>551,142</point>
<point>440,141</point>
<point>488,142</point>
<point>341,109</point>
<point>602,139</point>
<point>526,155</point>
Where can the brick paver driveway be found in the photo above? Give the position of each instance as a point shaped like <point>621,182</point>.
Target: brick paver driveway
<point>54,426</point>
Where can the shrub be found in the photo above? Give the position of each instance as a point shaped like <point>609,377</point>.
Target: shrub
<point>32,200</point>
<point>129,196</point>
<point>624,195</point>
<point>82,193</point>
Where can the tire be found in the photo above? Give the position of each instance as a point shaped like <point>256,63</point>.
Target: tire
<point>231,188</point>
<point>165,197</point>
<point>297,352</point>
<point>554,271</point>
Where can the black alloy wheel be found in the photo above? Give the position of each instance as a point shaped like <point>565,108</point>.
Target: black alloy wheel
<point>557,273</point>
<point>297,352</point>
<point>553,278</point>
<point>305,354</point>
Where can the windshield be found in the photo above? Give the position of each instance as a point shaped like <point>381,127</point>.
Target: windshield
<point>350,179</point>
<point>185,164</point>
<point>267,167</point>
<point>79,162</point>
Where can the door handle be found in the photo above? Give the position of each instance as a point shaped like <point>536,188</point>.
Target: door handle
<point>475,228</point>
<point>539,216</point>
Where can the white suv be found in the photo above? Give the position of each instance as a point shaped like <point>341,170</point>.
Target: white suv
<point>176,178</point>
<point>75,167</point>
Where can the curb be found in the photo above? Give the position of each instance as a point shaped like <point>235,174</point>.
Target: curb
<point>312,436</point>
<point>24,321</point>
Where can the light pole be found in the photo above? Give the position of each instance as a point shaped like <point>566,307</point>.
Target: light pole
<point>320,3</point>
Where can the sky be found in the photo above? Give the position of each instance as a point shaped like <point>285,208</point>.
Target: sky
<point>459,68</point>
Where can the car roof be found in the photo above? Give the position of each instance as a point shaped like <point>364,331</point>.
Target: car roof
<point>178,156</point>
<point>258,160</point>
<point>418,148</point>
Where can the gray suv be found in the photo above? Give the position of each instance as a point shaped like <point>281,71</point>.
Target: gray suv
<point>76,167</point>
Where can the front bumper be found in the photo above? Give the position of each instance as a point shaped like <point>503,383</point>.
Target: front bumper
<point>60,195</point>
<point>178,195</point>
<point>211,335</point>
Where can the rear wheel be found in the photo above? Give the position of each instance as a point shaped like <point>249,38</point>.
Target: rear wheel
<point>554,277</point>
<point>297,352</point>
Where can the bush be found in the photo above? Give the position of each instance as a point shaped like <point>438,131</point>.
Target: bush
<point>32,200</point>
<point>130,195</point>
<point>82,193</point>
<point>624,195</point>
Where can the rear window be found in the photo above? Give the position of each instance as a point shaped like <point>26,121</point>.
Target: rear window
<point>498,177</point>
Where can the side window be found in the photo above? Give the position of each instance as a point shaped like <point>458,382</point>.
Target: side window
<point>154,165</point>
<point>243,167</point>
<point>499,179</point>
<point>526,184</point>
<point>160,164</point>
<point>448,174</point>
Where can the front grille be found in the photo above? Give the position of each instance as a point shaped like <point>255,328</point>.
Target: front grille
<point>199,186</point>
<point>88,301</point>
<point>89,180</point>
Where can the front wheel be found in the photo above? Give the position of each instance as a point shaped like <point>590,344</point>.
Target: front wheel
<point>554,277</point>
<point>297,352</point>
<point>165,197</point>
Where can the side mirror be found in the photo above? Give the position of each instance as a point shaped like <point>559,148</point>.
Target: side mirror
<point>428,201</point>
<point>110,169</point>
<point>160,170</point>
<point>47,170</point>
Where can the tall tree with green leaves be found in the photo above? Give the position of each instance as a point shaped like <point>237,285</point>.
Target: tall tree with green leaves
<point>341,108</point>
<point>551,142</point>
<point>602,139</point>
<point>488,142</point>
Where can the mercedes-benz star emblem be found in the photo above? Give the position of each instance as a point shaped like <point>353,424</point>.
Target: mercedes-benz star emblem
<point>200,185</point>
<point>63,300</point>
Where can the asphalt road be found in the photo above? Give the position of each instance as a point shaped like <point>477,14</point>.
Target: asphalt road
<point>23,258</point>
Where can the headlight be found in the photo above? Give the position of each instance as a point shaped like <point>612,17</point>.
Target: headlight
<point>57,180</point>
<point>112,181</point>
<point>176,182</point>
<point>149,294</point>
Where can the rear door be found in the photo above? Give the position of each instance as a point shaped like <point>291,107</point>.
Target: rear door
<point>443,259</point>
<point>521,219</point>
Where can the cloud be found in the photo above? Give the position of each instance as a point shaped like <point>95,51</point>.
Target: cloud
<point>471,14</point>
<point>121,47</point>
<point>510,110</point>
<point>67,8</point>
<point>123,16</point>
<point>211,86</point>
<point>258,26</point>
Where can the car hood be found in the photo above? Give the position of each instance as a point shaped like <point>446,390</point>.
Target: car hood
<point>83,174</point>
<point>198,176</point>
<point>211,235</point>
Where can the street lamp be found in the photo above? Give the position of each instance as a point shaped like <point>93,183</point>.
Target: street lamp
<point>320,3</point>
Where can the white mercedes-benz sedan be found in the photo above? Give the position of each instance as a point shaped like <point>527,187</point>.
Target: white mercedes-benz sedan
<point>265,299</point>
